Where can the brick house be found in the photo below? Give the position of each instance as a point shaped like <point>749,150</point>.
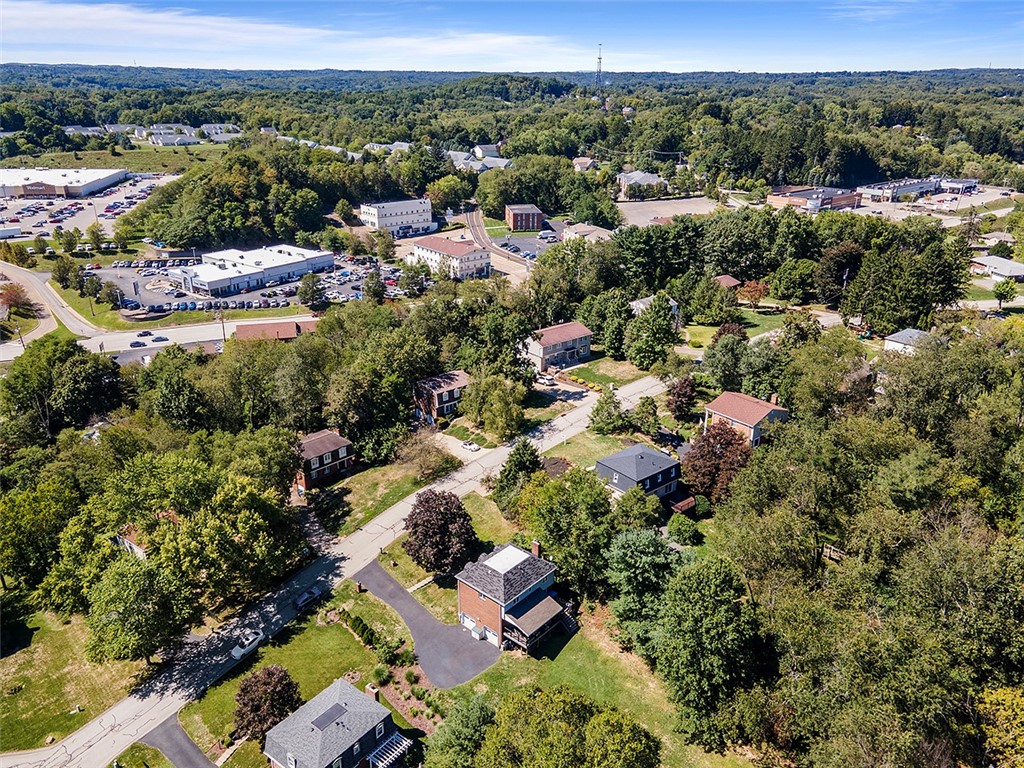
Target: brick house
<point>559,345</point>
<point>439,395</point>
<point>340,727</point>
<point>524,218</point>
<point>326,456</point>
<point>504,598</point>
<point>640,466</point>
<point>747,415</point>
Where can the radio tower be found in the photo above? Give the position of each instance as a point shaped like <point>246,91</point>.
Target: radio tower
<point>597,75</point>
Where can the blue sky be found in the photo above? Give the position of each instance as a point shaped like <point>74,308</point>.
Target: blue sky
<point>686,35</point>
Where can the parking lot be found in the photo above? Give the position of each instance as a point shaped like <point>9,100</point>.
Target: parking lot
<point>44,217</point>
<point>530,246</point>
<point>147,282</point>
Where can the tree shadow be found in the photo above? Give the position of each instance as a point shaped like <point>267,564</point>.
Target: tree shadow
<point>15,631</point>
<point>331,506</point>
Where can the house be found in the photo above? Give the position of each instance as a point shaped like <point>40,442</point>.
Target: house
<point>340,727</point>
<point>640,466</point>
<point>480,151</point>
<point>439,395</point>
<point>521,218</point>
<point>129,538</point>
<point>172,140</point>
<point>286,330</point>
<point>905,342</point>
<point>400,217</point>
<point>326,456</point>
<point>814,199</point>
<point>639,305</point>
<point>998,237</point>
<point>84,130</point>
<point>589,232</point>
<point>744,413</point>
<point>559,345</point>
<point>461,259</point>
<point>727,281</point>
<point>998,268</point>
<point>640,184</point>
<point>504,598</point>
<point>584,164</point>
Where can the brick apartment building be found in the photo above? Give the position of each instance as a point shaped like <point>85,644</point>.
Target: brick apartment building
<point>524,218</point>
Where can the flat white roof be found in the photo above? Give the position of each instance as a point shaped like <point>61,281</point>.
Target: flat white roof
<point>12,177</point>
<point>506,560</point>
<point>208,273</point>
<point>396,203</point>
<point>271,256</point>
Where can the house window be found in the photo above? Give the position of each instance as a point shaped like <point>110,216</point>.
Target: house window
<point>355,749</point>
<point>315,473</point>
<point>647,482</point>
<point>659,478</point>
<point>314,462</point>
<point>481,595</point>
<point>327,457</point>
<point>444,397</point>
<point>380,730</point>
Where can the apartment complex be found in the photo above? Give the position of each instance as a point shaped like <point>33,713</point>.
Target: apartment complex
<point>460,259</point>
<point>559,345</point>
<point>402,218</point>
<point>524,218</point>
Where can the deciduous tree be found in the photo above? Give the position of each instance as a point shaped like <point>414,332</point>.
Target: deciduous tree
<point>682,397</point>
<point>264,699</point>
<point>714,460</point>
<point>441,536</point>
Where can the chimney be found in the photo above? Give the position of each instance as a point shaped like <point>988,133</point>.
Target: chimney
<point>373,691</point>
<point>774,399</point>
<point>535,548</point>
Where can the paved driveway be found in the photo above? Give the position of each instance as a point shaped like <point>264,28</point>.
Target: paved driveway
<point>448,654</point>
<point>175,745</point>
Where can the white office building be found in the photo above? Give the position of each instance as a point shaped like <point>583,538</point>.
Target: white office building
<point>227,272</point>
<point>401,218</point>
<point>456,258</point>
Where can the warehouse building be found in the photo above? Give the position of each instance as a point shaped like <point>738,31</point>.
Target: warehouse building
<point>814,199</point>
<point>57,182</point>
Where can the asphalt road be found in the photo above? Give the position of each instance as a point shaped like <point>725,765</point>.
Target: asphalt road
<point>174,744</point>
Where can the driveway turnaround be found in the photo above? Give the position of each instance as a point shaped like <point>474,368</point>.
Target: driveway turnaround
<point>175,745</point>
<point>448,654</point>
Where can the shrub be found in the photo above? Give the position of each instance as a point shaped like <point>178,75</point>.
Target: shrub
<point>696,344</point>
<point>411,676</point>
<point>380,675</point>
<point>407,657</point>
<point>419,692</point>
<point>683,530</point>
<point>415,711</point>
<point>703,508</point>
<point>387,649</point>
<point>345,617</point>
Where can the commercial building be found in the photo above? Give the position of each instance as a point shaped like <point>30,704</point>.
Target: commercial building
<point>524,218</point>
<point>814,199</point>
<point>224,273</point>
<point>57,182</point>
<point>589,232</point>
<point>892,191</point>
<point>401,218</point>
<point>637,185</point>
<point>173,140</point>
<point>461,259</point>
<point>559,345</point>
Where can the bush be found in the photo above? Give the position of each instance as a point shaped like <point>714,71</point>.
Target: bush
<point>696,345</point>
<point>683,530</point>
<point>407,657</point>
<point>380,675</point>
<point>419,692</point>
<point>411,676</point>
<point>703,508</point>
<point>415,711</point>
<point>386,649</point>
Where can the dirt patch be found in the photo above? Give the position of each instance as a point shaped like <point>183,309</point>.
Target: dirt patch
<point>555,466</point>
<point>408,698</point>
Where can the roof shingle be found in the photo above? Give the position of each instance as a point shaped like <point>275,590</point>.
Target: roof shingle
<point>505,577</point>
<point>743,409</point>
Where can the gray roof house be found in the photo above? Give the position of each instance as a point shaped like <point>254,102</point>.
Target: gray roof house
<point>640,466</point>
<point>340,727</point>
<point>905,341</point>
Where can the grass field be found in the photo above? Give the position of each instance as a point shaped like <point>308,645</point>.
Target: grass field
<point>358,499</point>
<point>604,371</point>
<point>17,322</point>
<point>439,597</point>
<point>461,430</point>
<point>1001,204</point>
<point>592,663</point>
<point>141,756</point>
<point>977,292</point>
<point>145,158</point>
<point>44,675</point>
<point>314,654</point>
<point>541,406</point>
<point>105,316</point>
<point>756,322</point>
<point>495,228</point>
<point>586,448</point>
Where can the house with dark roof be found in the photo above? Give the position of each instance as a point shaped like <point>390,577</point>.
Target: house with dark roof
<point>326,456</point>
<point>439,395</point>
<point>340,727</point>
<point>505,598</point>
<point>905,342</point>
<point>559,345</point>
<point>640,466</point>
<point>747,415</point>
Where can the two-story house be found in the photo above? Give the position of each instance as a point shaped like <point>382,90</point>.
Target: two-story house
<point>326,456</point>
<point>640,466</point>
<point>340,727</point>
<point>439,396</point>
<point>559,345</point>
<point>747,415</point>
<point>504,597</point>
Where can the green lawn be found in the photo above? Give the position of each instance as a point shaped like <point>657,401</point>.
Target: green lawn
<point>755,321</point>
<point>143,158</point>
<point>357,499</point>
<point>496,228</point>
<point>977,292</point>
<point>1000,204</point>
<point>314,654</point>
<point>141,756</point>
<point>461,430</point>
<point>541,406</point>
<point>44,675</point>
<point>440,597</point>
<point>591,663</point>
<point>605,371</point>
<point>17,322</point>
<point>105,316</point>
<point>586,448</point>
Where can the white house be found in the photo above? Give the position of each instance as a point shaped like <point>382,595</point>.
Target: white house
<point>640,305</point>
<point>589,232</point>
<point>456,258</point>
<point>400,217</point>
<point>998,268</point>
<point>486,150</point>
<point>906,341</point>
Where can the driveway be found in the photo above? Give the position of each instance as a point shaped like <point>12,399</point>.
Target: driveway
<point>175,745</point>
<point>448,654</point>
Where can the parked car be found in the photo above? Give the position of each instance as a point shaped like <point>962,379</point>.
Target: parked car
<point>307,598</point>
<point>469,445</point>
<point>247,643</point>
<point>547,381</point>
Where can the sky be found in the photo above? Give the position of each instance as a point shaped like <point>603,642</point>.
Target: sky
<point>674,36</point>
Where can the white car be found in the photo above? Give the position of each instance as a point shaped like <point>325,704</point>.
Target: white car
<point>469,445</point>
<point>247,643</point>
<point>547,381</point>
